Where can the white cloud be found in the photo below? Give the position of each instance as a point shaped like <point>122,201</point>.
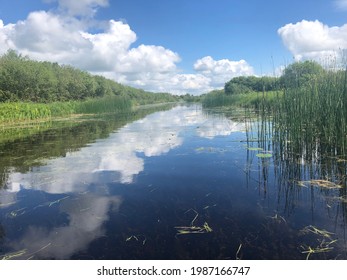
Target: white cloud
<point>46,34</point>
<point>313,39</point>
<point>66,39</point>
<point>221,71</point>
<point>147,58</point>
<point>169,82</point>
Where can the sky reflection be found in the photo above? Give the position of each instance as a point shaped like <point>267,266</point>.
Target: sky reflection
<point>76,187</point>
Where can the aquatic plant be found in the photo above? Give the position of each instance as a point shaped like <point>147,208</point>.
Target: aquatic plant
<point>15,112</point>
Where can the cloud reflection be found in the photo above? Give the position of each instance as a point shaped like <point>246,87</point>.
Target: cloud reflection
<point>85,225</point>
<point>124,151</point>
<point>119,158</point>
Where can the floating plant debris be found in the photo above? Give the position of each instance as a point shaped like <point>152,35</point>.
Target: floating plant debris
<point>137,238</point>
<point>324,243</point>
<point>264,155</point>
<point>254,149</point>
<point>194,229</point>
<point>323,247</point>
<point>14,255</point>
<point>315,230</point>
<point>320,183</point>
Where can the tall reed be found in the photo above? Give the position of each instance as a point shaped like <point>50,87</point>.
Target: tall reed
<point>105,104</point>
<point>249,100</point>
<point>315,116</point>
<point>23,111</point>
<point>14,112</point>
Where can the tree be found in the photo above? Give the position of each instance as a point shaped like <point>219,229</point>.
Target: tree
<point>300,74</point>
<point>239,85</point>
<point>235,88</point>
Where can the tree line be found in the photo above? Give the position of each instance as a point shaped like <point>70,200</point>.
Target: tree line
<point>298,74</point>
<point>23,79</point>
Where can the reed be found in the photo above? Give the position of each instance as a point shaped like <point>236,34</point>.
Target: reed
<point>10,112</point>
<point>314,117</point>
<point>101,105</point>
<point>249,100</point>
<point>18,112</point>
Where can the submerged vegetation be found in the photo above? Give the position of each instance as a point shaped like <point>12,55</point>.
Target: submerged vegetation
<point>299,134</point>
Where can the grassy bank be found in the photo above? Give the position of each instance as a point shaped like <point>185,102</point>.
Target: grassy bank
<point>20,111</point>
<point>253,99</point>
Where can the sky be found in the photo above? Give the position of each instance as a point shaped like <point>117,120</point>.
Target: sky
<point>176,46</point>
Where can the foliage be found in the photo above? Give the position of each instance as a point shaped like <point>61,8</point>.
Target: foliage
<point>25,80</point>
<point>300,74</point>
<point>299,77</point>
<point>232,88</point>
<point>317,110</point>
<point>253,99</point>
<point>243,85</point>
<point>20,111</point>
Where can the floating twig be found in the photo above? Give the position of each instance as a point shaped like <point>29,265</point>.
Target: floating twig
<point>317,231</point>
<point>319,183</point>
<point>238,251</point>
<point>14,255</point>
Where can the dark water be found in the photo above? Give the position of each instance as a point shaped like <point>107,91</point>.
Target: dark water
<point>176,184</point>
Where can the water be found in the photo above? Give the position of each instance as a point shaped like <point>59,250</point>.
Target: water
<point>177,184</point>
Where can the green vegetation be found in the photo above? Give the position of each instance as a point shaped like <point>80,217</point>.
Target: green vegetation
<point>313,116</point>
<point>32,90</point>
<point>244,85</point>
<point>19,111</point>
<point>251,100</point>
<point>300,74</point>
<point>306,117</point>
<point>265,91</point>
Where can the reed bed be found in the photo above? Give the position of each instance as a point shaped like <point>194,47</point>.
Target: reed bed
<point>18,112</point>
<point>313,118</point>
<point>106,104</point>
<point>249,100</point>
<point>10,112</point>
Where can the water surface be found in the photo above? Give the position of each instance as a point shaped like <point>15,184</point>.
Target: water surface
<point>177,184</point>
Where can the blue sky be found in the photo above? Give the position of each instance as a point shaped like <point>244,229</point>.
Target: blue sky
<point>176,46</point>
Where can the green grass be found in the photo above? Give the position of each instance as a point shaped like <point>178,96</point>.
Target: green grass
<point>106,104</point>
<point>11,112</point>
<point>251,100</point>
<point>20,111</point>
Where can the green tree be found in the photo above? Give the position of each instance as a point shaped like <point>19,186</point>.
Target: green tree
<point>232,88</point>
<point>300,74</point>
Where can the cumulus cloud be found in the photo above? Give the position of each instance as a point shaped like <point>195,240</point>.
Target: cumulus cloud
<point>169,82</point>
<point>221,71</point>
<point>65,38</point>
<point>313,39</point>
<point>62,40</point>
